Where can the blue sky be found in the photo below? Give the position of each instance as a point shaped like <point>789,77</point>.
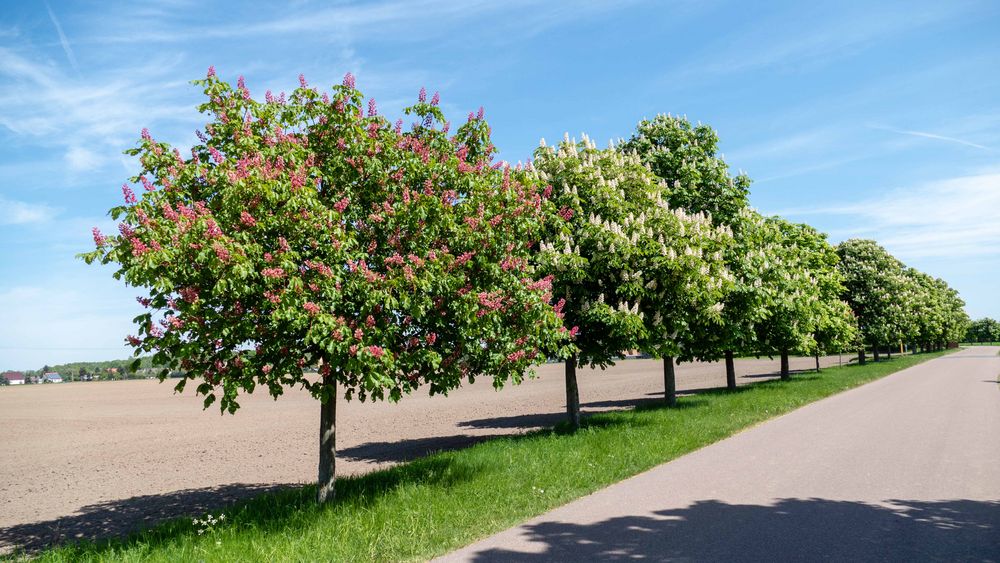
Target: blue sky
<point>878,121</point>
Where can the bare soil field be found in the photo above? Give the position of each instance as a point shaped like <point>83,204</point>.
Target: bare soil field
<point>89,460</point>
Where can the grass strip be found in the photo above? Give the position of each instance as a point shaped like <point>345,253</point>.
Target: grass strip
<point>432,505</point>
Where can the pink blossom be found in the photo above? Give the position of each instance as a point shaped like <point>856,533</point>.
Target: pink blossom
<point>376,351</point>
<point>189,294</point>
<point>266,369</point>
<point>422,96</point>
<point>133,340</point>
<point>211,71</point>
<point>221,252</point>
<point>311,307</point>
<point>99,239</point>
<point>147,184</point>
<point>212,229</point>
<point>302,81</point>
<point>358,334</point>
<point>349,80</point>
<point>138,247</point>
<point>216,155</point>
<point>273,273</point>
<point>247,219</point>
<point>372,108</point>
<point>341,205</point>
<point>566,213</point>
<point>145,134</point>
<point>353,349</point>
<point>128,193</point>
<point>370,321</point>
<point>431,338</point>
<point>436,99</point>
<point>515,356</point>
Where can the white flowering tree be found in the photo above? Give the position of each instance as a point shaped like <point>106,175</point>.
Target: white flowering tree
<point>876,289</point>
<point>686,157</point>
<point>627,270</point>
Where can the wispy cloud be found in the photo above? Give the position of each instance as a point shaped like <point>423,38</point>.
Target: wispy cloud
<point>89,119</point>
<point>952,217</point>
<point>927,135</point>
<point>62,38</point>
<point>13,212</point>
<point>810,36</point>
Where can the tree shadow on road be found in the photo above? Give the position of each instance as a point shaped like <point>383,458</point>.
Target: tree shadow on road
<point>791,530</point>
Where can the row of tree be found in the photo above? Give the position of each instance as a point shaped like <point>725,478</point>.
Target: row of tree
<point>308,232</point>
<point>983,330</point>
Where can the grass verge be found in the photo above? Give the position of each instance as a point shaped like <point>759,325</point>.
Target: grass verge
<point>444,501</point>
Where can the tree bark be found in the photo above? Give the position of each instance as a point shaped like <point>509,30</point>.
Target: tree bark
<point>817,362</point>
<point>888,353</point>
<point>730,371</point>
<point>572,393</point>
<point>861,357</point>
<point>327,445</point>
<point>784,365</point>
<point>875,353</point>
<point>669,381</point>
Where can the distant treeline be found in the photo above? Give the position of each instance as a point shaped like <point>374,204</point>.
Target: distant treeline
<point>106,370</point>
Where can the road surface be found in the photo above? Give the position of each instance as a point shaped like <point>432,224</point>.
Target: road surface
<point>906,468</point>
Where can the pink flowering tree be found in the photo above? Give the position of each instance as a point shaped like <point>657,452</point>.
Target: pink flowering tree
<point>306,233</point>
<point>629,272</point>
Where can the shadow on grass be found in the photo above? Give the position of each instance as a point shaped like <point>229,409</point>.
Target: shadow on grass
<point>790,530</point>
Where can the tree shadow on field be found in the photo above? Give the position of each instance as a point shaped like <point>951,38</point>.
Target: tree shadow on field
<point>790,530</point>
<point>120,517</point>
<point>405,450</point>
<point>152,520</point>
<point>774,374</point>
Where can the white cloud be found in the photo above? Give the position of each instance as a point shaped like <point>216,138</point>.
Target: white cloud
<point>952,217</point>
<point>80,159</point>
<point>13,212</point>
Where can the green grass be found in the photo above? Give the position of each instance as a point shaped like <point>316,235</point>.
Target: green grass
<point>441,502</point>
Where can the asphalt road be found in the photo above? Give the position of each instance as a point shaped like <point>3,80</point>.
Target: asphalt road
<point>906,468</point>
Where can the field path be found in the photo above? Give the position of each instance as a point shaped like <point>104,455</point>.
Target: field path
<point>85,460</point>
<point>906,468</point>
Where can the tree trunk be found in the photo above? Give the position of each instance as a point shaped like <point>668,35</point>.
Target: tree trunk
<point>730,371</point>
<point>817,362</point>
<point>875,353</point>
<point>669,381</point>
<point>572,394</point>
<point>861,357</point>
<point>784,365</point>
<point>327,446</point>
<point>888,353</point>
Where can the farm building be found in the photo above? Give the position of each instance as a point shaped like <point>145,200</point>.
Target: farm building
<point>52,377</point>
<point>13,377</point>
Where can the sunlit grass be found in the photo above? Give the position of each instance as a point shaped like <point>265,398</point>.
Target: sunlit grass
<point>441,502</point>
